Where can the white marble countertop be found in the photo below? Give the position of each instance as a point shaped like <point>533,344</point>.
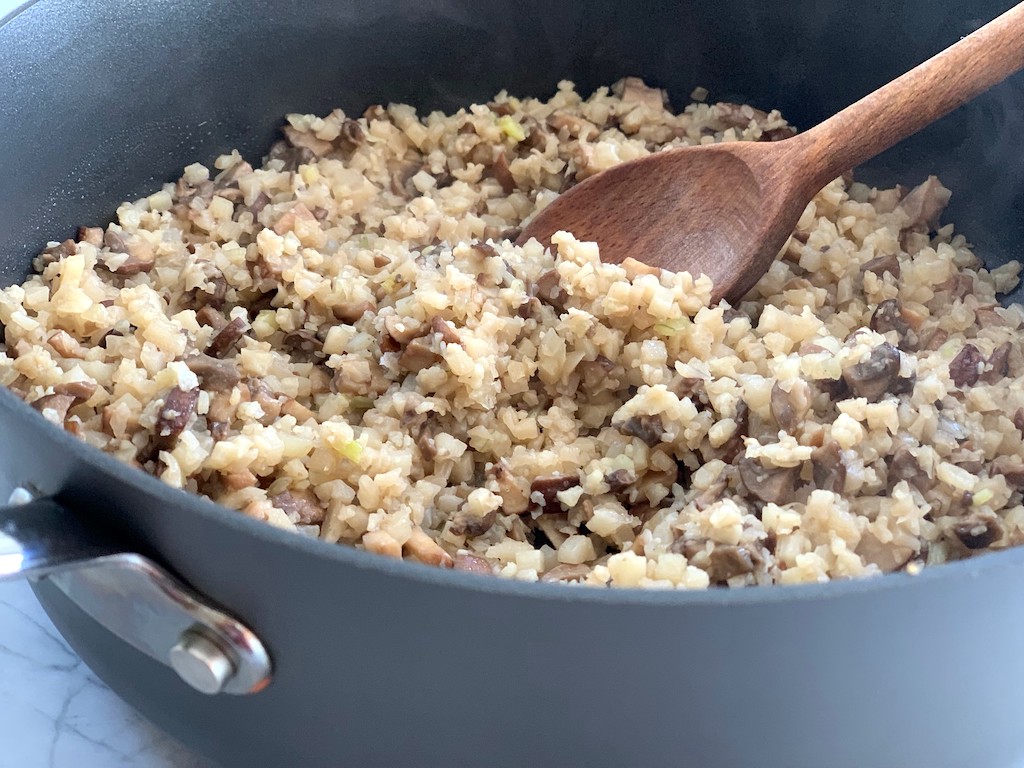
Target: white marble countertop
<point>54,713</point>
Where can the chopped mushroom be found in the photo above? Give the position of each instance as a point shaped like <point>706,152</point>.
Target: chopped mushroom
<point>514,500</point>
<point>770,484</point>
<point>887,317</point>
<point>503,174</point>
<point>177,410</point>
<point>904,466</point>
<point>635,91</point>
<point>350,312</point>
<point>998,364</point>
<point>738,115</point>
<point>65,345</point>
<point>727,561</point>
<point>876,376</point>
<point>417,355</point>
<point>550,486</point>
<point>548,289</point>
<point>978,530</point>
<point>472,564</point>
<point>925,203</point>
<point>619,480</point>
<point>298,138</point>
<point>80,390</point>
<point>470,526</point>
<point>401,330</point>
<point>423,549</point>
<point>965,368</point>
<point>302,507</point>
<point>54,407</point>
<point>212,317</point>
<point>224,339</point>
<point>441,327</point>
<point>789,408</point>
<point>1011,468</point>
<point>648,428</point>
<point>883,264</point>
<point>567,572</point>
<point>828,467</point>
<point>216,375</point>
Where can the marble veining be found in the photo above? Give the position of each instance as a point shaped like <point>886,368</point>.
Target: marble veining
<point>54,713</point>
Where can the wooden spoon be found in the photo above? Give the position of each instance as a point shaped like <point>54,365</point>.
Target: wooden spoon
<point>725,210</point>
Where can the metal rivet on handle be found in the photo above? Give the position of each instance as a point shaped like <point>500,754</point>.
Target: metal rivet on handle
<point>201,663</point>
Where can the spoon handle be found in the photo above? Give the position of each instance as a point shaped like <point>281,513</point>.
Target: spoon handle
<point>920,97</point>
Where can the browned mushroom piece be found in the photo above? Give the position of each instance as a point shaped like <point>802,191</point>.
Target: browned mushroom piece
<point>464,561</point>
<point>514,501</point>
<point>420,547</point>
<point>548,289</point>
<point>65,345</point>
<point>352,132</point>
<point>80,390</point>
<point>211,316</point>
<point>503,174</point>
<point>470,526</point>
<point>828,467</point>
<point>226,338</point>
<point>648,428</point>
<point>215,375</point>
<point>55,253</point>
<point>306,140</point>
<point>401,180</point>
<point>965,368</point>
<point>925,203</point>
<point>734,444</point>
<point>290,156</point>
<point>305,341</point>
<point>1011,468</point>
<point>904,466</point>
<point>738,115</point>
<point>177,410</point>
<point>91,235</point>
<point>789,408</point>
<point>888,316</point>
<point>417,355</point>
<point>441,327</point>
<point>549,486</point>
<point>402,330</point>
<point>619,480</point>
<point>262,201</point>
<point>770,484</point>
<point>880,265</point>
<point>876,376</point>
<point>301,506</point>
<point>778,134</point>
<point>978,530</point>
<point>566,572</point>
<point>998,364</point>
<point>350,312</point>
<point>54,407</point>
<point>727,561</point>
<point>573,125</point>
<point>1018,419</point>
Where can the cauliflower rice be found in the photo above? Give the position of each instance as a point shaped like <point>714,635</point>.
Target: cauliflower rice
<point>346,343</point>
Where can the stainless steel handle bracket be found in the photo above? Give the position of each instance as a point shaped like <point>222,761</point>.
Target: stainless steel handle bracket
<point>132,597</point>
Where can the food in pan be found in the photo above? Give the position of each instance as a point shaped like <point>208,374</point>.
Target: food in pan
<point>345,342</point>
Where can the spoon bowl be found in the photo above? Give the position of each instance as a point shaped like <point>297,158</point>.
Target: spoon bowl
<point>725,210</point>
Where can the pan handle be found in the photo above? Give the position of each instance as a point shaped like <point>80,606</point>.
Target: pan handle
<point>131,596</point>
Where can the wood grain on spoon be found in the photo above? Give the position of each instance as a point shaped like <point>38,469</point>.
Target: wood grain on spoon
<point>725,210</point>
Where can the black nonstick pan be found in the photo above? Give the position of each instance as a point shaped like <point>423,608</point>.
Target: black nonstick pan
<point>315,655</point>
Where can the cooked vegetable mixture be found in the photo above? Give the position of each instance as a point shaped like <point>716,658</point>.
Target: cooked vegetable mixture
<point>345,342</point>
